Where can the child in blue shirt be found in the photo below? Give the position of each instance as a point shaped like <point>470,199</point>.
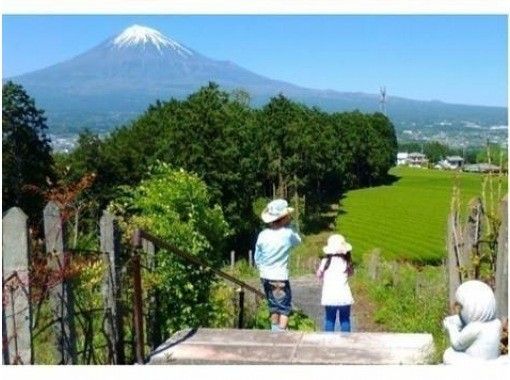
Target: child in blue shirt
<point>271,258</point>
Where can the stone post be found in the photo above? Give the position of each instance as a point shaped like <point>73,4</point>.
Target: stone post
<point>110,248</point>
<point>17,312</point>
<point>61,297</point>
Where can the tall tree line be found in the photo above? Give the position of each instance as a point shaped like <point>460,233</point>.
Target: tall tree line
<point>243,154</point>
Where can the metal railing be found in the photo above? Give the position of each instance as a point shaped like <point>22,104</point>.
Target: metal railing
<point>136,242</point>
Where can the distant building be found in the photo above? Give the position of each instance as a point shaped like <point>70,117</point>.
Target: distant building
<point>481,168</point>
<point>411,159</point>
<point>455,162</point>
<point>417,159</point>
<point>402,158</point>
<point>450,163</point>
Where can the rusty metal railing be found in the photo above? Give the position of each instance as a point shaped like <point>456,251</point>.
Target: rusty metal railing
<point>136,243</point>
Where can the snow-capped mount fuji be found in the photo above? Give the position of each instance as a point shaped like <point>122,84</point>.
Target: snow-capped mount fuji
<point>139,58</point>
<point>137,34</point>
<point>118,79</point>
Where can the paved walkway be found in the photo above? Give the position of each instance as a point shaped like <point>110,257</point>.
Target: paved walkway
<point>306,295</point>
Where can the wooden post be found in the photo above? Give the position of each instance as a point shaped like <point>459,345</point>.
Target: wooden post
<point>110,247</point>
<point>373,264</point>
<point>232,259</point>
<point>17,312</point>
<point>60,295</point>
<point>469,250</point>
<point>250,258</point>
<point>240,320</point>
<point>153,305</point>
<point>297,215</point>
<point>138,308</point>
<point>454,274</point>
<point>311,265</point>
<point>501,291</point>
<point>136,242</point>
<point>5,341</point>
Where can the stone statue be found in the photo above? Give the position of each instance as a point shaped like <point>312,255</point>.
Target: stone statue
<point>474,332</point>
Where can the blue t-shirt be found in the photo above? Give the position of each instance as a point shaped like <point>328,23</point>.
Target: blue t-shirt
<point>272,252</point>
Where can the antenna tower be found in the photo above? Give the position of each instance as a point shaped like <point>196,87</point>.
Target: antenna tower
<point>382,100</point>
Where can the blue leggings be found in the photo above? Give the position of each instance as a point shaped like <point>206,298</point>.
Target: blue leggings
<point>331,313</point>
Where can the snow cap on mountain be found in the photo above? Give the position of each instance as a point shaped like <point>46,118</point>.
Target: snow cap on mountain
<point>137,34</point>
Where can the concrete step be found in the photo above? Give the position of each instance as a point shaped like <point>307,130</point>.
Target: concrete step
<point>229,346</point>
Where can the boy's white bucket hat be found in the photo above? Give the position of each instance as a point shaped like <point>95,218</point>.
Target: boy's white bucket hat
<point>275,210</point>
<point>337,244</point>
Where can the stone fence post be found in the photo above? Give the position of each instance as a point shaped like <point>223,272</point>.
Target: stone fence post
<point>61,295</point>
<point>110,248</point>
<point>17,311</point>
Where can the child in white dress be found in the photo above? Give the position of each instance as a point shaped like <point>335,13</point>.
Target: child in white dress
<point>335,269</point>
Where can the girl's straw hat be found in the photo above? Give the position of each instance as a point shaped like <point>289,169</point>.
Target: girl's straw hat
<point>336,244</point>
<point>275,210</point>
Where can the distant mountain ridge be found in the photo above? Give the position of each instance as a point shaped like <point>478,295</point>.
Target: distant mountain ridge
<point>117,80</point>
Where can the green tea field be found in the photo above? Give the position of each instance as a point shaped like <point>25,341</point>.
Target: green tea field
<point>407,219</point>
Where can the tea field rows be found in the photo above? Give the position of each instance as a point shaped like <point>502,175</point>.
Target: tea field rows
<point>407,219</point>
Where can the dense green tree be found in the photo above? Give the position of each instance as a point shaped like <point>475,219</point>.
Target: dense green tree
<point>245,154</point>
<point>436,151</point>
<point>281,124</point>
<point>27,162</point>
<point>494,154</point>
<point>384,146</point>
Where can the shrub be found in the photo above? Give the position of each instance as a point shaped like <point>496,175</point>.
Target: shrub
<point>224,313</point>
<point>243,270</point>
<point>297,320</point>
<point>176,206</point>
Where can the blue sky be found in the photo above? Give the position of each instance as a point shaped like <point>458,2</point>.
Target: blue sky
<point>456,59</point>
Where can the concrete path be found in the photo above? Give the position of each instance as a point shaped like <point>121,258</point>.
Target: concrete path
<point>230,346</point>
<point>306,295</point>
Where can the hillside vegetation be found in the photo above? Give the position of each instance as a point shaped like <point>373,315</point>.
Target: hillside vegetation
<point>407,219</point>
<point>245,156</point>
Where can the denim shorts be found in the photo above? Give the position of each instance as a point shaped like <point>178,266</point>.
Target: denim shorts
<point>278,296</point>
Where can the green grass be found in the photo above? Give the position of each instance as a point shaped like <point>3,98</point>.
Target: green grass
<point>407,219</point>
<point>407,299</point>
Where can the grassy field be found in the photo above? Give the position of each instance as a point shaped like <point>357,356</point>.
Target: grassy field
<point>407,219</point>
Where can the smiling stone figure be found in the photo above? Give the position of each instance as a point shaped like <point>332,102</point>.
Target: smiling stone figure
<point>474,332</point>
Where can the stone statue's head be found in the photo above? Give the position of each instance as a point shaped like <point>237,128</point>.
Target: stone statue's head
<point>477,302</point>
